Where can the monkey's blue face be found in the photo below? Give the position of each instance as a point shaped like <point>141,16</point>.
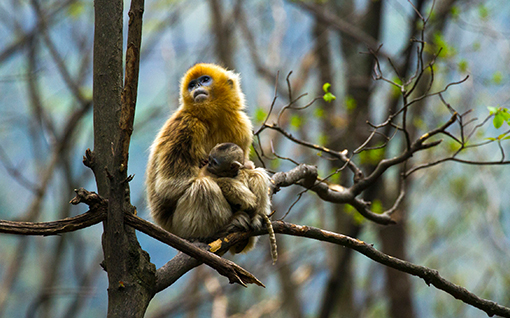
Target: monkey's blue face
<point>197,87</point>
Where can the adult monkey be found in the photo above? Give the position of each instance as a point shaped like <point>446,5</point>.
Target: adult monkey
<point>211,112</point>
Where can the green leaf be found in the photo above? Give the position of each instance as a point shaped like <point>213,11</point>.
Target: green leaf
<point>501,115</point>
<point>275,163</point>
<point>463,65</point>
<point>326,87</point>
<point>318,112</point>
<point>497,77</point>
<point>372,156</point>
<point>502,136</point>
<point>446,49</point>
<point>455,12</point>
<point>377,207</point>
<point>505,114</point>
<point>323,139</point>
<point>492,110</point>
<point>396,91</point>
<point>335,177</point>
<point>350,103</point>
<point>356,217</point>
<point>76,9</point>
<point>498,120</point>
<point>328,97</point>
<point>260,114</point>
<point>296,121</point>
<point>483,12</point>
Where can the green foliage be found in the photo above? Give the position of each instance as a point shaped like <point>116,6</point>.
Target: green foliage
<point>451,145</point>
<point>395,90</point>
<point>447,51</point>
<point>260,114</point>
<point>323,139</point>
<point>275,163</point>
<point>356,217</point>
<point>377,207</point>
<point>350,103</point>
<point>463,65</point>
<point>76,9</point>
<point>419,123</point>
<point>318,112</point>
<point>455,12</point>
<point>501,115</point>
<point>483,11</point>
<point>335,176</point>
<point>296,121</point>
<point>328,96</point>
<point>419,25</point>
<point>371,156</point>
<point>497,78</point>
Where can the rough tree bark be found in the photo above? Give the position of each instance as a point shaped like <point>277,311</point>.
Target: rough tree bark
<point>131,276</point>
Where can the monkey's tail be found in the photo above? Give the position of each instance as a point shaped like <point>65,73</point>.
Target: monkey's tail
<point>272,238</point>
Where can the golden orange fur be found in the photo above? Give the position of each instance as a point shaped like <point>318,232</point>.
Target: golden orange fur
<point>182,200</point>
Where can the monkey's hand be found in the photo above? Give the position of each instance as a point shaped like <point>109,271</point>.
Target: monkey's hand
<point>237,194</point>
<point>248,164</point>
<point>242,222</point>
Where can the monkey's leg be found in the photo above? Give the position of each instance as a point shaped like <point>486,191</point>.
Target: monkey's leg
<point>201,211</point>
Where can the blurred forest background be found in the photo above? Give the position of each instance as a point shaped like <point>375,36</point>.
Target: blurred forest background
<point>454,217</point>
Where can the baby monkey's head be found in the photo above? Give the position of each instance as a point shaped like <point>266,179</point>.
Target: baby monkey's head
<point>225,160</point>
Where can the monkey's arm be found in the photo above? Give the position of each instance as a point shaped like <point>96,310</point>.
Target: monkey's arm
<point>173,165</point>
<point>259,183</point>
<point>237,194</point>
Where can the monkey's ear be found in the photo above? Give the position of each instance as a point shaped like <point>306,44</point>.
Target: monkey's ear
<point>235,165</point>
<point>230,82</point>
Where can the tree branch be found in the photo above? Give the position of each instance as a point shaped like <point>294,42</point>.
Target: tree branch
<point>72,224</point>
<point>430,276</point>
<point>229,269</point>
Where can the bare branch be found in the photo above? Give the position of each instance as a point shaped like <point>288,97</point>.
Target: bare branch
<point>229,269</point>
<point>430,276</point>
<point>55,227</point>
<point>339,155</point>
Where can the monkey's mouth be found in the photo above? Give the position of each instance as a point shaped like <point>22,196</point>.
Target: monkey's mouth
<point>200,94</point>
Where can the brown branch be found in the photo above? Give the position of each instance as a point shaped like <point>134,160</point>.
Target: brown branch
<point>71,224</point>
<point>96,214</point>
<point>416,146</point>
<point>306,176</point>
<point>339,155</point>
<point>229,269</point>
<point>129,93</point>
<point>430,276</point>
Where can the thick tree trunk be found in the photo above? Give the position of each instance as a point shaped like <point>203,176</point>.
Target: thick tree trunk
<point>131,276</point>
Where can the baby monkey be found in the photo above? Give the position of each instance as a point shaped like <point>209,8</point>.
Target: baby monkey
<point>248,193</point>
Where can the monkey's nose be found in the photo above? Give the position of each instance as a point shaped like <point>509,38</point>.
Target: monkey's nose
<point>200,94</point>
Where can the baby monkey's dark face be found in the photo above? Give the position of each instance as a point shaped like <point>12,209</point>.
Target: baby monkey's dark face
<point>225,160</point>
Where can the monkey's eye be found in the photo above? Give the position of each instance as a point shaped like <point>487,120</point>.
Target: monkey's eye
<point>205,80</point>
<point>192,85</point>
<point>213,161</point>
